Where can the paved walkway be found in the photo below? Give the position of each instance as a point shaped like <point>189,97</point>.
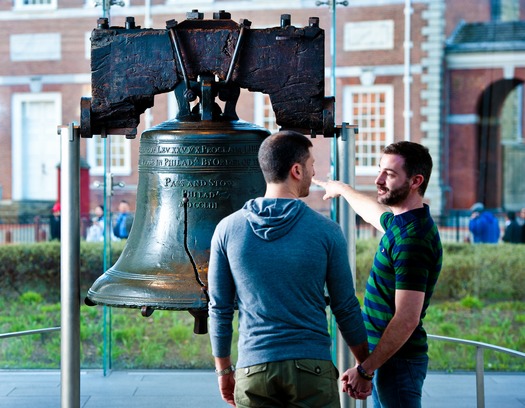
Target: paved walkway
<point>198,388</point>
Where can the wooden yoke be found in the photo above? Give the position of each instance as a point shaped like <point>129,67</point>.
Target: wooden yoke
<point>203,59</point>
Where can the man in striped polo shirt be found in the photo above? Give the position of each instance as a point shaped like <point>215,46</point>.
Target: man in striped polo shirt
<point>402,278</point>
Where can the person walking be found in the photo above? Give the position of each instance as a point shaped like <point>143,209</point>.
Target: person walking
<point>513,230</point>
<point>273,259</point>
<point>122,227</point>
<point>54,222</point>
<point>95,232</point>
<point>403,274</point>
<point>483,225</point>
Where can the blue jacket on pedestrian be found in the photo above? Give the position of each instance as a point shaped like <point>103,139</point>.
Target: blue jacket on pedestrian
<point>485,228</point>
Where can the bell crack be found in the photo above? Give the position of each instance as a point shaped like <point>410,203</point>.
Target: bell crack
<point>204,289</point>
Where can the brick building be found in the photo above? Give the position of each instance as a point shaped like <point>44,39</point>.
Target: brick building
<point>444,73</point>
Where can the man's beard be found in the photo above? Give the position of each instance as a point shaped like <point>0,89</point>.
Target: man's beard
<point>396,196</point>
<point>305,190</point>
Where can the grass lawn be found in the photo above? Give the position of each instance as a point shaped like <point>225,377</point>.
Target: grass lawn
<point>166,338</point>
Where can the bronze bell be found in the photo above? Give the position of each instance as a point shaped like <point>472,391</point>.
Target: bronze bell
<point>191,175</point>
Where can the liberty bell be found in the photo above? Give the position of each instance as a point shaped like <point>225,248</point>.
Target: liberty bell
<point>201,166</point>
<point>192,173</point>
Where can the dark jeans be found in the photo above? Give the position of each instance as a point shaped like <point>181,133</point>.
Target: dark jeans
<point>291,383</point>
<point>399,383</point>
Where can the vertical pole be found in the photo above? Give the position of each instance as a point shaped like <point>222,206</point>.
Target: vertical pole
<point>147,14</point>
<point>407,77</point>
<point>70,266</point>
<point>108,191</point>
<point>480,386</point>
<point>106,7</point>
<point>334,154</point>
<point>334,162</point>
<point>345,359</point>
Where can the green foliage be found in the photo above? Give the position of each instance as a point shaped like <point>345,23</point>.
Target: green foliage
<point>471,302</point>
<point>31,298</point>
<point>166,338</point>
<point>479,296</point>
<point>496,323</point>
<point>484,271</point>
<point>36,268</point>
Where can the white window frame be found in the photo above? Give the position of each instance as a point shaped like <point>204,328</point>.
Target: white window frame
<point>96,167</point>
<point>20,5</point>
<point>263,112</point>
<point>17,101</point>
<point>348,113</point>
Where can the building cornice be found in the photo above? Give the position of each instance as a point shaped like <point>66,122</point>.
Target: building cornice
<point>45,79</point>
<point>480,60</point>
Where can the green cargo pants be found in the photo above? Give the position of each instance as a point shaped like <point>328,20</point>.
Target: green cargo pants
<point>291,383</point>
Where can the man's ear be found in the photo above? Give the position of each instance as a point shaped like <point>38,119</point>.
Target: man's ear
<point>296,171</point>
<point>417,180</point>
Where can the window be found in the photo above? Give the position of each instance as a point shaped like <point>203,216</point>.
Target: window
<point>371,109</point>
<point>120,154</point>
<point>36,145</point>
<point>264,114</point>
<point>35,4</point>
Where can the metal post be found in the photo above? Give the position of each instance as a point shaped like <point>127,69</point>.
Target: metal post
<point>346,160</point>
<point>407,77</point>
<point>108,192</point>
<point>335,155</point>
<point>70,266</point>
<point>480,386</point>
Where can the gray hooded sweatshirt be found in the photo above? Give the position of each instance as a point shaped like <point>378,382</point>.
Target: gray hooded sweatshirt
<point>275,257</point>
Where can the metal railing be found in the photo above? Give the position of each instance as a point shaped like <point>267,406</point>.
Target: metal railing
<point>480,370</point>
<point>29,332</point>
<point>35,228</point>
<point>26,229</point>
<point>480,347</point>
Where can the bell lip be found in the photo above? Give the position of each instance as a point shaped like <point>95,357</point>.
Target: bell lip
<point>92,299</point>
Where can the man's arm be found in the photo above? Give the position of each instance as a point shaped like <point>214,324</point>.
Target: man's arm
<point>357,387</point>
<point>409,304</point>
<point>365,206</point>
<point>226,378</point>
<point>221,290</point>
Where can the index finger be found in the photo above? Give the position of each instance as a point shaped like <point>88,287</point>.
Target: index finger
<point>319,182</point>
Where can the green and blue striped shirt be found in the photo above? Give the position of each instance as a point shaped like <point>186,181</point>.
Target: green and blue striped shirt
<point>409,257</point>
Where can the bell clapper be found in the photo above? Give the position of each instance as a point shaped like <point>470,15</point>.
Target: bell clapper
<point>146,311</point>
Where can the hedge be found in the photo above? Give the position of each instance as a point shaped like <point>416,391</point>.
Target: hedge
<point>36,267</point>
<point>488,272</point>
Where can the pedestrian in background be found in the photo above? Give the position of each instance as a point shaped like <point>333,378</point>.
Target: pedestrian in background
<point>512,233</point>
<point>124,222</point>
<point>95,232</point>
<point>483,225</point>
<point>54,223</point>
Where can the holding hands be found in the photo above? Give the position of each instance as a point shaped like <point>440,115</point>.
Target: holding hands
<point>355,385</point>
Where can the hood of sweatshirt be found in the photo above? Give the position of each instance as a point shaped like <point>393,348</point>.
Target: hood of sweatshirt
<point>271,218</point>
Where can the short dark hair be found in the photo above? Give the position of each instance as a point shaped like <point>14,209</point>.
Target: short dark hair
<point>417,160</point>
<point>280,151</point>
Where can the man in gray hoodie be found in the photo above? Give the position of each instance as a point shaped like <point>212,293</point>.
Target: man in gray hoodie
<point>274,258</point>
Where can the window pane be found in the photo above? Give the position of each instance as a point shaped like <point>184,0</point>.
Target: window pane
<point>370,112</point>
